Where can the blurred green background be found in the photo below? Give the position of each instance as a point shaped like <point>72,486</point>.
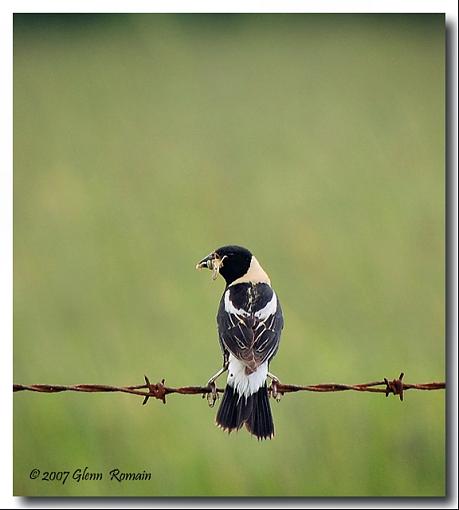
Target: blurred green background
<point>143,142</point>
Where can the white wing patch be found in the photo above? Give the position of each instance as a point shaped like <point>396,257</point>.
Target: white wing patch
<point>269,309</point>
<point>246,384</point>
<point>231,309</point>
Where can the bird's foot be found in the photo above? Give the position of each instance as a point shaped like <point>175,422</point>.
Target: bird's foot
<point>212,395</point>
<point>274,387</point>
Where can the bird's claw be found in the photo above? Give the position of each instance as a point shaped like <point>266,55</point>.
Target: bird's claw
<point>274,388</point>
<point>212,395</point>
<point>276,395</point>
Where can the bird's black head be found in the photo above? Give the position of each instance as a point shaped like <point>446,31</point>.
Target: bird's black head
<point>232,262</point>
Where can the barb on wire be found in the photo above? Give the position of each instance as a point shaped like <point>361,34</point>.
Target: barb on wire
<point>160,390</point>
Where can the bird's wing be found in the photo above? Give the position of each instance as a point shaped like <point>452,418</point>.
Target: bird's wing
<point>250,326</point>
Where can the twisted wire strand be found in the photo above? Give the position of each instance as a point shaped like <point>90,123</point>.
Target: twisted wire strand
<point>160,390</point>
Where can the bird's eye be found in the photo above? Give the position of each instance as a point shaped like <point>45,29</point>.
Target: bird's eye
<point>210,264</point>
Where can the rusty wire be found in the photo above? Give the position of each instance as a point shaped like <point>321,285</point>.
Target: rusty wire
<point>160,390</point>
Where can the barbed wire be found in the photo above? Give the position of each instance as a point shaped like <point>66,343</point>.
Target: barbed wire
<point>276,390</point>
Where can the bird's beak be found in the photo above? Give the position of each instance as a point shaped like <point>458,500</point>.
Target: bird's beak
<point>207,262</point>
<point>211,262</point>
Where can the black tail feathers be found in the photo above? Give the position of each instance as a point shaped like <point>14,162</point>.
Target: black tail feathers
<point>253,411</point>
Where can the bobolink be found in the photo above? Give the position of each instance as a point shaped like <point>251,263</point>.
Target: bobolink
<point>249,323</point>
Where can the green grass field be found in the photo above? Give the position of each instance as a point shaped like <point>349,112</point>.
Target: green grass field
<point>143,142</point>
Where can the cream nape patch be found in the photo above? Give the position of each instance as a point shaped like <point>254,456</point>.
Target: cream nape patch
<point>255,274</point>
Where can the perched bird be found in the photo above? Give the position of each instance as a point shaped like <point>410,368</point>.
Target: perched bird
<point>249,323</point>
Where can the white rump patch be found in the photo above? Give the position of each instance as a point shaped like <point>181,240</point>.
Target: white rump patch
<point>246,384</point>
<point>230,308</point>
<point>269,309</point>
